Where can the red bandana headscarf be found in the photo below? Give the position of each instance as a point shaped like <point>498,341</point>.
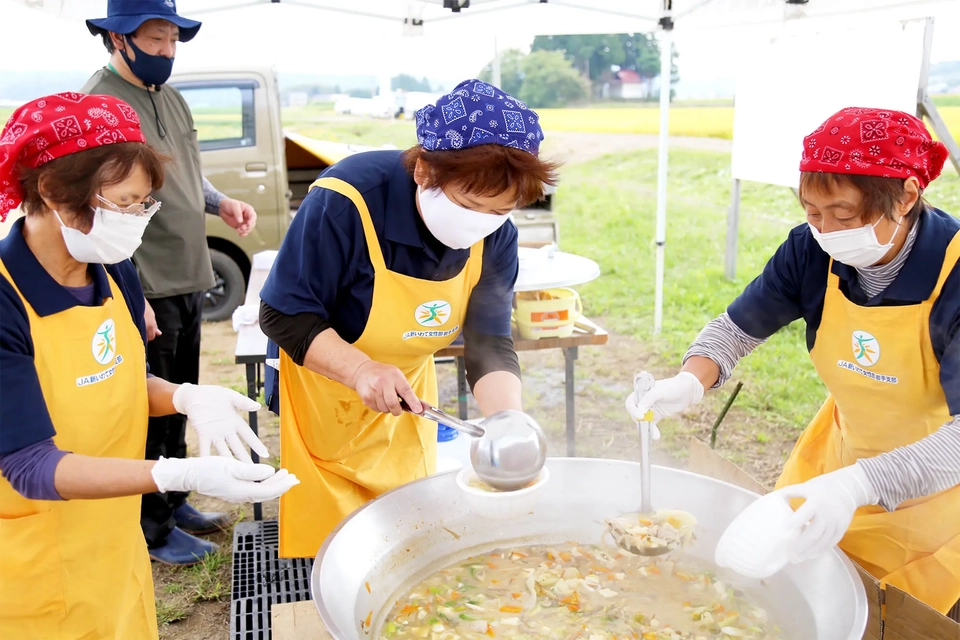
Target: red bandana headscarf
<point>55,126</point>
<point>874,142</point>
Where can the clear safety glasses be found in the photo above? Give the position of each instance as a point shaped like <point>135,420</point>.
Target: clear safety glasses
<point>146,208</point>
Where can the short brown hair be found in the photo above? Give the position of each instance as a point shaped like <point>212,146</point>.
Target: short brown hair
<point>879,195</point>
<point>486,170</point>
<point>74,179</point>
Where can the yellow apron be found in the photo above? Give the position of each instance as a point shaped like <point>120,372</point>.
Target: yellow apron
<point>879,366</point>
<point>343,453</point>
<point>79,569</point>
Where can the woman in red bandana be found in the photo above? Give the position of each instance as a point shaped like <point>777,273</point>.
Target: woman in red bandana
<point>74,381</point>
<point>873,273</point>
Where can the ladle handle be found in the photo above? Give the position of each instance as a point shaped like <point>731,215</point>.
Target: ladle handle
<point>642,383</point>
<point>442,417</point>
<point>645,506</point>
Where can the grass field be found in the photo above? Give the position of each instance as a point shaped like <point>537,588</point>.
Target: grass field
<point>946,100</point>
<point>607,211</point>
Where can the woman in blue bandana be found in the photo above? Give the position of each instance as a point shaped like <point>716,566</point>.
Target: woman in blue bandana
<point>391,256</point>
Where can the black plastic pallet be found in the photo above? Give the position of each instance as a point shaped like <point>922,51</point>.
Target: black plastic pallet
<point>261,579</point>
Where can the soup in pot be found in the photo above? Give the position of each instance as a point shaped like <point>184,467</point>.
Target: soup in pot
<point>575,591</point>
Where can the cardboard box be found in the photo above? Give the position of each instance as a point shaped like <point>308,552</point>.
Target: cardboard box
<point>894,615</point>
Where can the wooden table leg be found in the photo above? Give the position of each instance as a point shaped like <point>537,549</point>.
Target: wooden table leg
<point>570,355</point>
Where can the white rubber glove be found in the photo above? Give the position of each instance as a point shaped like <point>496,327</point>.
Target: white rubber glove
<point>643,382</point>
<point>831,500</point>
<point>223,478</point>
<point>212,411</point>
<point>668,396</point>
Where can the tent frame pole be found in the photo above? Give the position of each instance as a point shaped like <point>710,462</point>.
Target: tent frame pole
<point>733,222</point>
<point>925,105</point>
<point>666,76</point>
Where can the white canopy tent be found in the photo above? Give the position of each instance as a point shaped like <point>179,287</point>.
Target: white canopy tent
<point>398,32</point>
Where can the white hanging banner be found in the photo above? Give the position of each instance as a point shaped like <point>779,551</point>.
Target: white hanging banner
<point>790,86</point>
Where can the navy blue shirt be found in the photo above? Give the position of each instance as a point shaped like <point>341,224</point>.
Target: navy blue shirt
<point>793,285</point>
<point>24,419</point>
<point>323,266</point>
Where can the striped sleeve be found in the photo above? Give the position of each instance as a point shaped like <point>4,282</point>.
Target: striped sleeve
<point>725,343</point>
<point>921,469</point>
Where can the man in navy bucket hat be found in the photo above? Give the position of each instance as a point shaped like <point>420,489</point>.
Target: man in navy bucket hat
<point>173,262</point>
<point>126,17</point>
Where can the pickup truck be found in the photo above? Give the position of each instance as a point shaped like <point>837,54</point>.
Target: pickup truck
<point>247,155</point>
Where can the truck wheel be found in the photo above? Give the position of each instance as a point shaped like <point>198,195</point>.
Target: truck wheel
<point>228,291</point>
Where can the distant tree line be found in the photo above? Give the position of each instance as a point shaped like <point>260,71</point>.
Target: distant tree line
<point>406,82</point>
<point>560,70</point>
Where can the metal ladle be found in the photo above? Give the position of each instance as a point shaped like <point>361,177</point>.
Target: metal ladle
<point>508,450</point>
<point>641,385</point>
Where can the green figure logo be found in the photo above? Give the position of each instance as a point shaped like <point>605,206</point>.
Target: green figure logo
<point>105,343</point>
<point>866,349</point>
<point>433,314</point>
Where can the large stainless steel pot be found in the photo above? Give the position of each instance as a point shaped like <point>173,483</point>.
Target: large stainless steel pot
<point>395,540</point>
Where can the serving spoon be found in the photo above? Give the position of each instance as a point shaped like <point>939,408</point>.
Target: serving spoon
<point>508,450</point>
<point>642,383</point>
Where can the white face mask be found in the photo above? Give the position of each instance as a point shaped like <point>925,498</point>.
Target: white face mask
<point>451,224</point>
<point>858,248</point>
<point>113,237</point>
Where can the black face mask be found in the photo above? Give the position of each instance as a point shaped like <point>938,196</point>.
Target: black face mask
<point>152,70</point>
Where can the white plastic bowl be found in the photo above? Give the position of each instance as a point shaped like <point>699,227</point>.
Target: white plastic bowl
<point>758,542</point>
<point>500,505</point>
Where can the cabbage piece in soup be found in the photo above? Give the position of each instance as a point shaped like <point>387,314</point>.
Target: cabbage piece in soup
<point>666,528</point>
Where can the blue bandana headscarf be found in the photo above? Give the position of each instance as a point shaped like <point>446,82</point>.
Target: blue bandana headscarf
<point>476,113</point>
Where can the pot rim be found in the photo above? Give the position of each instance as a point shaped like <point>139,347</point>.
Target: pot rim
<point>859,622</point>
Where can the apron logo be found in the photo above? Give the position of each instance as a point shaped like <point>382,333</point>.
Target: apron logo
<point>105,342</point>
<point>866,349</point>
<point>433,314</point>
<point>104,347</point>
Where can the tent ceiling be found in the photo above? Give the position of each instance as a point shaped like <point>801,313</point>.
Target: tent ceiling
<point>551,16</point>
